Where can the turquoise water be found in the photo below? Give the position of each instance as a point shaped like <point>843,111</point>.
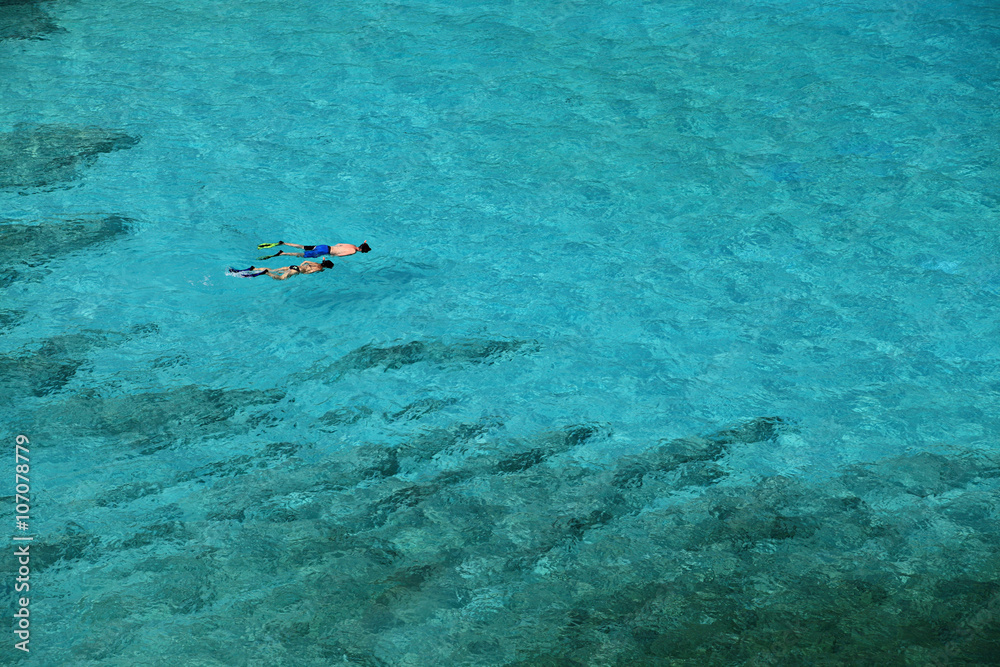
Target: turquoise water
<point>676,345</point>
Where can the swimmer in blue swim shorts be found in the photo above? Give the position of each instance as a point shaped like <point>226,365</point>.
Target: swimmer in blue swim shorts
<point>310,251</point>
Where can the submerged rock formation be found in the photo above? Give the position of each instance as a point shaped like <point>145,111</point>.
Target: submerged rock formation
<point>26,249</point>
<point>25,19</point>
<point>46,156</point>
<point>150,421</point>
<point>44,369</point>
<point>457,545</point>
<point>393,357</point>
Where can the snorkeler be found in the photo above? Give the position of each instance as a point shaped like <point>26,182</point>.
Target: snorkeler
<point>310,251</point>
<point>284,272</point>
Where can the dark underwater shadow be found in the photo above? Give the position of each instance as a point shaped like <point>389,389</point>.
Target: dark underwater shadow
<point>26,19</point>
<point>44,157</point>
<point>27,250</point>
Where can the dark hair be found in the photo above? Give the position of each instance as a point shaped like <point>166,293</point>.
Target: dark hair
<point>327,264</point>
<point>364,247</point>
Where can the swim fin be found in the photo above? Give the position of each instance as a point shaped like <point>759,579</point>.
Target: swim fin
<point>246,273</point>
<point>263,246</point>
<point>269,256</point>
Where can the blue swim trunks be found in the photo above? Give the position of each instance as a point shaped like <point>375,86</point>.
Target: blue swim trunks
<point>315,250</point>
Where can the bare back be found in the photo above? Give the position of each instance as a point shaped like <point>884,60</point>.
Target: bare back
<point>310,267</point>
<point>342,250</point>
<point>285,272</point>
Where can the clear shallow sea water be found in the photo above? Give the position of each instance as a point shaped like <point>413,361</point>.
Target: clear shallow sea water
<point>676,344</point>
